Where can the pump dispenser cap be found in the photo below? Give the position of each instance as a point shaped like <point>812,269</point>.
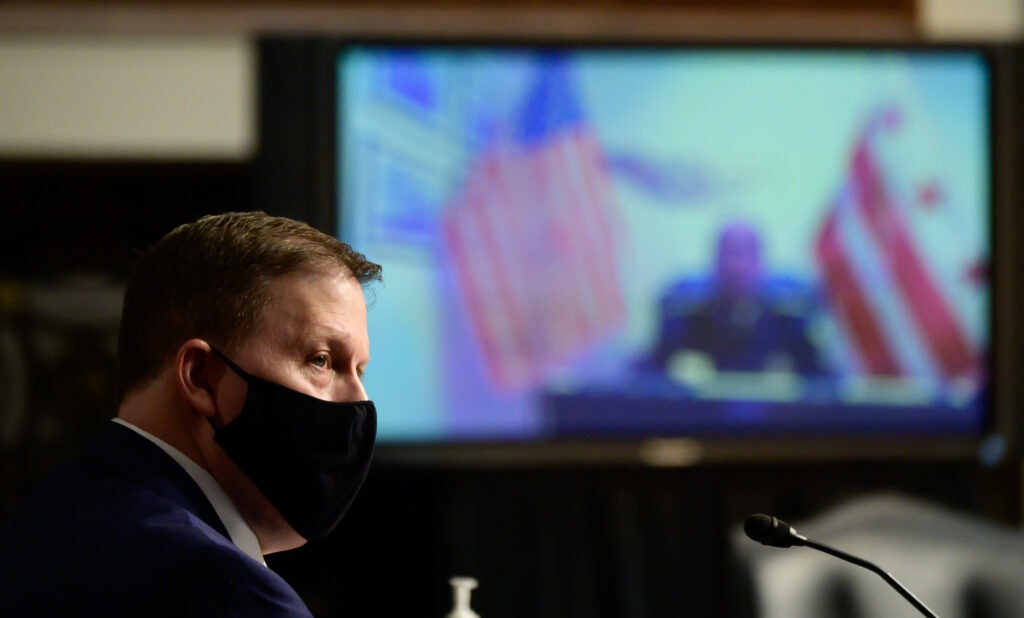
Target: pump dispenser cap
<point>461,587</point>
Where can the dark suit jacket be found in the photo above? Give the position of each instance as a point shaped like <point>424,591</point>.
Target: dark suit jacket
<point>773,326</point>
<point>124,531</point>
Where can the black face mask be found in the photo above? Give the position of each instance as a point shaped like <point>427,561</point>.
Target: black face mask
<point>307,455</point>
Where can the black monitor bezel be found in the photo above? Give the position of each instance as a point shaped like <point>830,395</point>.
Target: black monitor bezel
<point>309,162</point>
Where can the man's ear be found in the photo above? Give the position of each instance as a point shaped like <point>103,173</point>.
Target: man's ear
<point>196,377</point>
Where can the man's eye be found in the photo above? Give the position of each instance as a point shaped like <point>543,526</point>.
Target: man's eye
<point>321,360</point>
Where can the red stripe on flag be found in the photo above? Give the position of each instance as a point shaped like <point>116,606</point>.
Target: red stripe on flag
<point>851,302</point>
<point>491,297</point>
<point>594,283</point>
<point>514,316</point>
<point>561,324</point>
<point>577,298</point>
<point>598,194</point>
<point>456,242</point>
<point>931,313</point>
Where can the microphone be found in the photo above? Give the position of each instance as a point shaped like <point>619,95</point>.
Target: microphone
<point>772,531</point>
<point>768,530</point>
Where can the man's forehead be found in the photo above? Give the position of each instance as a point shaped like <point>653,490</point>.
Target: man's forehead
<point>315,299</point>
<point>315,286</point>
<point>309,309</point>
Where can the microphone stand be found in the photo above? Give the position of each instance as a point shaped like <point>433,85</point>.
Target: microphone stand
<point>909,596</point>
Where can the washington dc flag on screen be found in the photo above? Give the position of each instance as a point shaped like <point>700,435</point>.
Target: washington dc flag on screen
<point>901,283</point>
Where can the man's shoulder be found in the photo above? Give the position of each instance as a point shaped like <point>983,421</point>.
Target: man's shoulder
<point>82,508</point>
<point>115,545</point>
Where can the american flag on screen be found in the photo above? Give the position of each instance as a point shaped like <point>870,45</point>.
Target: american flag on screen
<point>898,288</point>
<point>533,236</point>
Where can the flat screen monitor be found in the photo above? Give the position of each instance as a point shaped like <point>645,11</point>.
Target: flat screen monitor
<point>613,242</point>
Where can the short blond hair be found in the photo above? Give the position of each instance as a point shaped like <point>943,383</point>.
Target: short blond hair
<point>210,279</point>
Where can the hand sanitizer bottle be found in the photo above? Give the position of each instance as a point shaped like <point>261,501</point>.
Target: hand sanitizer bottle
<point>461,587</point>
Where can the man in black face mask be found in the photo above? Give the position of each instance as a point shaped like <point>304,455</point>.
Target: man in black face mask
<point>243,430</point>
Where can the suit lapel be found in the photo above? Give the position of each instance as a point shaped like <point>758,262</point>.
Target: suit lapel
<point>131,456</point>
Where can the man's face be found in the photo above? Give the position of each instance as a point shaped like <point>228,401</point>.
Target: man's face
<point>312,338</point>
<point>738,262</point>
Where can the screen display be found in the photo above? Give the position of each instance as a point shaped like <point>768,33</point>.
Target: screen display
<point>649,241</point>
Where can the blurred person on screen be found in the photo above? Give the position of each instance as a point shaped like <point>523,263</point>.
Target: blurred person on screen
<point>739,319</point>
<point>243,430</point>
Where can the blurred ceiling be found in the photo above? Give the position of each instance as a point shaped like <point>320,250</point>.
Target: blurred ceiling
<point>659,19</point>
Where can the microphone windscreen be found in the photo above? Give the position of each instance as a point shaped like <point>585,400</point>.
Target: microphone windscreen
<point>759,527</point>
<point>769,530</point>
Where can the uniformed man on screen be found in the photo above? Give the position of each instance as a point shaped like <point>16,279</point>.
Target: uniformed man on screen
<point>740,321</point>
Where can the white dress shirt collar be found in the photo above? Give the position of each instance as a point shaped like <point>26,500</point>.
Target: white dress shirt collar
<point>241,534</point>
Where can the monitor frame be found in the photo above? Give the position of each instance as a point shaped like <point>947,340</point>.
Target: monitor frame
<point>297,176</point>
